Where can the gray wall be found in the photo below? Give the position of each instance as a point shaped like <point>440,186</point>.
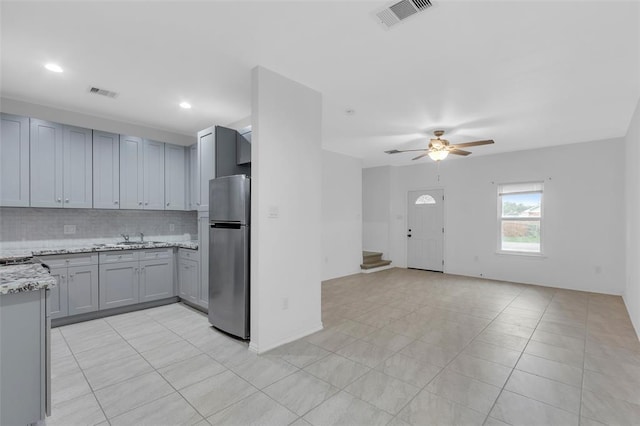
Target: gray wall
<point>27,224</point>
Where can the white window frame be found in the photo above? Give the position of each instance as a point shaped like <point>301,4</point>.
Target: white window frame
<point>500,192</point>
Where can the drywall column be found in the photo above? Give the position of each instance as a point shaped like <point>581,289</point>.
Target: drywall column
<point>632,179</point>
<point>285,210</point>
<point>341,215</point>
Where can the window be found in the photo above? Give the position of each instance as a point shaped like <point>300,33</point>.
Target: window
<point>425,199</point>
<point>520,217</point>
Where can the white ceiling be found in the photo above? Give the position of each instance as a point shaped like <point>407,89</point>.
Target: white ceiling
<point>526,73</point>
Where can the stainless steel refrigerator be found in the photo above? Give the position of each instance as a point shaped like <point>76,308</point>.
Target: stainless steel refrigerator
<point>229,220</point>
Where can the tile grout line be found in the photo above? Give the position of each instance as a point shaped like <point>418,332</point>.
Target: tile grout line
<point>85,378</point>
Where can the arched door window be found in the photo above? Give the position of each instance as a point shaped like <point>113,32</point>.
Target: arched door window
<point>425,199</point>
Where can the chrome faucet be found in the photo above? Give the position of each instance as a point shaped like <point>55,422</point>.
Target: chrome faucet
<point>142,237</point>
<point>126,237</point>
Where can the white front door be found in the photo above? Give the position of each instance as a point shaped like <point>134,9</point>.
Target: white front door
<point>425,231</point>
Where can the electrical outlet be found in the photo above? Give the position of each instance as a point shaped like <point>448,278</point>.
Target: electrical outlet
<point>172,227</point>
<point>285,303</point>
<point>69,229</point>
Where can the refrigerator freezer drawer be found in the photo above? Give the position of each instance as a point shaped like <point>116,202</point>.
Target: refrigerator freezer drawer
<point>229,279</point>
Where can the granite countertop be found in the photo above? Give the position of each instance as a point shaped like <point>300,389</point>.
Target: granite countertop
<point>27,277</point>
<point>15,254</point>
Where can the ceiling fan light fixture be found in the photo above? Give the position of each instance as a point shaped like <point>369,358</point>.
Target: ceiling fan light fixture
<point>438,155</point>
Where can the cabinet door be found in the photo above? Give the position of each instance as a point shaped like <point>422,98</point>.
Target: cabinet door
<point>203,234</point>
<point>119,284</point>
<point>77,167</point>
<point>194,178</point>
<point>106,170</point>
<point>45,140</point>
<point>58,294</point>
<point>156,279</point>
<point>206,162</point>
<point>131,176</point>
<point>174,177</point>
<point>82,289</point>
<point>188,280</point>
<point>153,175</point>
<point>14,161</point>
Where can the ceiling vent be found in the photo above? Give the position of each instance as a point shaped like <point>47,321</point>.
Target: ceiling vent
<point>103,92</point>
<point>397,12</point>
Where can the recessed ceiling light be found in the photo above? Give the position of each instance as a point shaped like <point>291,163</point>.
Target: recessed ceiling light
<point>185,105</point>
<point>54,67</point>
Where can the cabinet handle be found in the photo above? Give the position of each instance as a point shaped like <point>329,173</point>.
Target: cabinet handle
<point>62,276</point>
<point>197,204</point>
<point>139,203</point>
<point>146,203</point>
<point>168,204</point>
<point>59,200</point>
<point>71,277</point>
<point>66,200</point>
<point>115,202</point>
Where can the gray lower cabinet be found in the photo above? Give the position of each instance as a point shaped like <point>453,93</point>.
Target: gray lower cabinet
<point>156,275</point>
<point>203,282</point>
<point>77,289</point>
<point>119,284</point>
<point>188,273</point>
<point>135,276</point>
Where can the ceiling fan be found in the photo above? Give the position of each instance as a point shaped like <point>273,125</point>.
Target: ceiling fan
<point>439,149</point>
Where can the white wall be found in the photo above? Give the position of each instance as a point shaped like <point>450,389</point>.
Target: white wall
<point>287,183</point>
<point>92,122</point>
<point>341,215</point>
<point>632,156</point>
<point>583,239</point>
<point>375,209</point>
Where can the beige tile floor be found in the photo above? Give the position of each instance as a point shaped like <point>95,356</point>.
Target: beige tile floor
<point>400,347</point>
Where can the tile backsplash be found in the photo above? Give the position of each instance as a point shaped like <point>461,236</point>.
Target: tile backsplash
<point>29,224</point>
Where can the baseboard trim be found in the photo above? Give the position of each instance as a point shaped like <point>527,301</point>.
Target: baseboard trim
<point>381,268</point>
<point>295,336</point>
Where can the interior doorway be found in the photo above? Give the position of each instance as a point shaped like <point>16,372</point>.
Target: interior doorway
<point>425,230</point>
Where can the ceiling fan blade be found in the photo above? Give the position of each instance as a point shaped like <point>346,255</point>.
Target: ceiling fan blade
<point>420,156</point>
<point>458,152</point>
<point>395,151</point>
<point>476,143</point>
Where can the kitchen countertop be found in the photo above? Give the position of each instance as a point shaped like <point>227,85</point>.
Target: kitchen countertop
<point>27,277</point>
<point>85,246</point>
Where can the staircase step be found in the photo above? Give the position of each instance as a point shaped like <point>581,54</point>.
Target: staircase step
<point>371,265</point>
<point>371,257</point>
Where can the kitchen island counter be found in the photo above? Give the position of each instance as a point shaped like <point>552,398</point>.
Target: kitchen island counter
<point>25,277</point>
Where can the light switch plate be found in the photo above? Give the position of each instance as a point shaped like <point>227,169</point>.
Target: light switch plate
<point>69,229</point>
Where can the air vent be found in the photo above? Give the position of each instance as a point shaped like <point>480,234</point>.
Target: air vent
<point>103,92</point>
<point>391,15</point>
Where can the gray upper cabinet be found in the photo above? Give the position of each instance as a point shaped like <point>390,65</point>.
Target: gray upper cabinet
<point>141,173</point>
<point>61,165</point>
<point>206,166</point>
<point>46,164</point>
<point>153,166</point>
<point>227,153</point>
<point>175,166</point>
<point>77,167</point>
<point>131,176</point>
<point>106,170</point>
<point>194,178</point>
<point>14,161</point>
